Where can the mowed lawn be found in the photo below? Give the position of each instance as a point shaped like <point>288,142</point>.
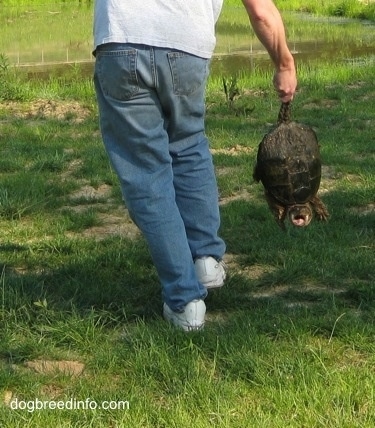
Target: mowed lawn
<point>289,340</point>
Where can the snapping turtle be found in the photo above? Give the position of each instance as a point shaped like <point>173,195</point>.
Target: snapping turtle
<point>289,167</point>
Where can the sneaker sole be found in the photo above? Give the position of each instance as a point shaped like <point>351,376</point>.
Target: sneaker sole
<point>169,316</point>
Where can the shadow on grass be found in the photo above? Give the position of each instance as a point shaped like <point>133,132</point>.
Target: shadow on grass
<point>299,266</point>
<point>284,290</point>
<point>325,259</point>
<point>331,261</point>
<point>114,274</point>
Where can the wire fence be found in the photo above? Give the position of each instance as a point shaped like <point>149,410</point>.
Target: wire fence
<point>21,59</point>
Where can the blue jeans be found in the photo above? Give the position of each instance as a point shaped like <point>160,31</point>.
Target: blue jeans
<point>151,106</point>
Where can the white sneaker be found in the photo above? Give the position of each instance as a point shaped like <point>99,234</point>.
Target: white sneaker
<point>210,272</point>
<point>192,318</point>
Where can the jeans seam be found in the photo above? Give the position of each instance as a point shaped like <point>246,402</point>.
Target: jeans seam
<point>153,67</point>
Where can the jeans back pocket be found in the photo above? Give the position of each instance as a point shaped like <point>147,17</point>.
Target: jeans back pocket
<point>189,72</point>
<point>116,71</point>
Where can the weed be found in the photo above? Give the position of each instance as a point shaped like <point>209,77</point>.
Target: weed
<point>231,90</point>
<point>4,64</point>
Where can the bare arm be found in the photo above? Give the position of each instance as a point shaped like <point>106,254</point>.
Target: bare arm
<point>269,28</point>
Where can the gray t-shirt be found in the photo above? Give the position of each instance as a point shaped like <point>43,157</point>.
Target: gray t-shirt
<point>186,25</point>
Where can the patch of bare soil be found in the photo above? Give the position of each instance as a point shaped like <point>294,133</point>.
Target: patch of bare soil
<point>47,367</point>
<point>68,368</point>
<point>236,150</point>
<point>268,292</point>
<point>91,193</point>
<point>327,104</point>
<point>48,109</point>
<point>73,166</point>
<point>306,294</point>
<point>51,391</point>
<point>115,221</point>
<point>242,195</point>
<point>328,180</point>
<point>364,210</point>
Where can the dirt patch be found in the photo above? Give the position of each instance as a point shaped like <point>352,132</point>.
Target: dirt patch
<point>116,224</point>
<point>7,397</point>
<point>69,368</point>
<point>368,96</point>
<point>48,109</point>
<point>88,193</point>
<point>324,103</point>
<point>252,272</point>
<point>72,167</point>
<point>113,219</point>
<point>303,295</point>
<point>222,171</point>
<point>364,210</point>
<point>47,367</point>
<point>51,391</point>
<point>242,195</point>
<point>328,181</point>
<point>236,150</point>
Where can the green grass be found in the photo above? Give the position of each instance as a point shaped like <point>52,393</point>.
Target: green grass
<point>289,340</point>
<point>341,8</point>
<point>57,31</point>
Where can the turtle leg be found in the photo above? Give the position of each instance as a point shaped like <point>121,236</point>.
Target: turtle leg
<point>278,211</point>
<point>319,208</point>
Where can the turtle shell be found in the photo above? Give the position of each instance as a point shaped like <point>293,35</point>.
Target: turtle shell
<point>288,161</point>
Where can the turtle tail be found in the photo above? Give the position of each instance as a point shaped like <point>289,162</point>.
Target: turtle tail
<point>284,113</point>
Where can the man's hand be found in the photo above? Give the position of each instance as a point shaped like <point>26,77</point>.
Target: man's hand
<point>285,83</point>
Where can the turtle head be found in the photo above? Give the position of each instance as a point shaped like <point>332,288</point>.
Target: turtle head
<point>300,215</point>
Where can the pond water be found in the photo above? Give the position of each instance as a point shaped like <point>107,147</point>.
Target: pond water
<point>46,38</point>
<point>303,52</point>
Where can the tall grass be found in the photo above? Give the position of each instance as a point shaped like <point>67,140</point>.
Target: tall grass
<point>39,2</point>
<point>343,8</point>
<point>347,8</point>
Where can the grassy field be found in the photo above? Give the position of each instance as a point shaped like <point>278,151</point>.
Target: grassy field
<point>346,8</point>
<point>35,31</point>
<point>289,340</point>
